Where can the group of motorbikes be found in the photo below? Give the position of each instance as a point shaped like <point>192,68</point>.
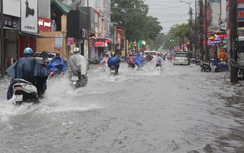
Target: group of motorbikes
<point>25,91</point>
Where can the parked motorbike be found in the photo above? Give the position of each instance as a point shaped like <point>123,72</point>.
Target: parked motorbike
<point>240,73</point>
<point>24,91</point>
<point>205,67</point>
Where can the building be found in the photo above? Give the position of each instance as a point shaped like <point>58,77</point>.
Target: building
<point>53,28</point>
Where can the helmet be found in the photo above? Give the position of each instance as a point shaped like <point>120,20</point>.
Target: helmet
<point>113,53</point>
<point>28,51</point>
<point>76,50</point>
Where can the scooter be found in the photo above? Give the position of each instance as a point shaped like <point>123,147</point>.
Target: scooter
<point>24,91</point>
<point>114,70</point>
<point>205,67</point>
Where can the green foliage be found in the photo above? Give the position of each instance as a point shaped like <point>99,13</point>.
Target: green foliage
<point>131,15</point>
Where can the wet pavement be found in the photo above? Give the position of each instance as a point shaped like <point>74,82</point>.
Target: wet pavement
<point>177,110</point>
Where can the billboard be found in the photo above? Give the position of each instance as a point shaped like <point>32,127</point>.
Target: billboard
<point>14,5</point>
<point>29,16</point>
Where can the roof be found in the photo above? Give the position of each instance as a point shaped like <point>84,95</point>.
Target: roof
<point>63,7</point>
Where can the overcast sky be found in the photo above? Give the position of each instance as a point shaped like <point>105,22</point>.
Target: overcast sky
<point>170,12</point>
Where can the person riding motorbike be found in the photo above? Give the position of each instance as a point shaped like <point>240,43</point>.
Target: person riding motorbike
<point>103,62</point>
<point>157,61</point>
<point>114,61</point>
<point>57,65</point>
<point>78,65</point>
<point>222,55</point>
<point>29,69</point>
<point>138,61</point>
<point>129,60</point>
<point>149,57</point>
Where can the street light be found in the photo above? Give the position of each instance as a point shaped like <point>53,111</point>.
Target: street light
<point>190,21</point>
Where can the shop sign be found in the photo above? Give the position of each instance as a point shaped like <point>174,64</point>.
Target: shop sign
<point>44,24</point>
<point>70,41</point>
<point>29,16</point>
<point>8,22</point>
<point>58,41</point>
<point>99,44</point>
<point>240,15</point>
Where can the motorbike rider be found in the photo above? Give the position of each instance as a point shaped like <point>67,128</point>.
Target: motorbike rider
<point>114,61</point>
<point>57,65</point>
<point>78,65</point>
<point>103,62</point>
<point>138,61</point>
<point>222,55</point>
<point>157,61</point>
<point>29,69</point>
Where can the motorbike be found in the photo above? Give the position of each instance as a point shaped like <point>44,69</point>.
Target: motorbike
<point>205,67</point>
<point>24,91</point>
<point>114,70</point>
<point>158,66</point>
<point>240,73</point>
<point>77,80</point>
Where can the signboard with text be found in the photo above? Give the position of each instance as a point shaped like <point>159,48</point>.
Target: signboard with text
<point>58,41</point>
<point>44,24</point>
<point>29,16</point>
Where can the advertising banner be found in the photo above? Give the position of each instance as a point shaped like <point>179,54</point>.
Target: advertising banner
<point>58,41</point>
<point>29,16</point>
<point>44,24</point>
<point>70,41</point>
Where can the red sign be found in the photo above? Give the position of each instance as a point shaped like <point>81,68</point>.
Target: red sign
<point>44,24</point>
<point>99,44</point>
<point>70,41</point>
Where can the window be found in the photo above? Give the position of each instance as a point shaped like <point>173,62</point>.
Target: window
<point>180,55</point>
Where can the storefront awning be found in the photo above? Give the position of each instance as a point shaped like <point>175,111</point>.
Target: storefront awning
<point>225,46</point>
<point>28,34</point>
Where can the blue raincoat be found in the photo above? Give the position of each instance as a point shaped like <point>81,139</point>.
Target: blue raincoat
<point>113,61</point>
<point>57,65</point>
<point>138,60</point>
<point>29,69</point>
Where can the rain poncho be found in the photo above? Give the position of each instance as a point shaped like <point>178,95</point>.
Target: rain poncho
<point>113,61</point>
<point>130,59</point>
<point>157,61</point>
<point>105,59</point>
<point>56,65</point>
<point>78,63</point>
<point>29,69</point>
<point>219,66</point>
<point>138,60</point>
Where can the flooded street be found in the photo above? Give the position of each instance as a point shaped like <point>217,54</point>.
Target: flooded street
<point>180,110</point>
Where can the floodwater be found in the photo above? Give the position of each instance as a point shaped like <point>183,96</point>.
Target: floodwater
<point>177,110</point>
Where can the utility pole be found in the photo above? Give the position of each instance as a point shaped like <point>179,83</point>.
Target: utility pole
<point>234,43</point>
<point>201,28</point>
<point>196,32</point>
<point>206,31</point>
<point>2,43</point>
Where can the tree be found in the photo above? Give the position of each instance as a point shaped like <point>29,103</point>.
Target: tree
<point>131,15</point>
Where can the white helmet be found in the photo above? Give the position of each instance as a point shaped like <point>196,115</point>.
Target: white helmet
<point>76,50</point>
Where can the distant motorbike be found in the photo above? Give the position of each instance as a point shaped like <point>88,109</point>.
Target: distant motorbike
<point>24,91</point>
<point>114,70</point>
